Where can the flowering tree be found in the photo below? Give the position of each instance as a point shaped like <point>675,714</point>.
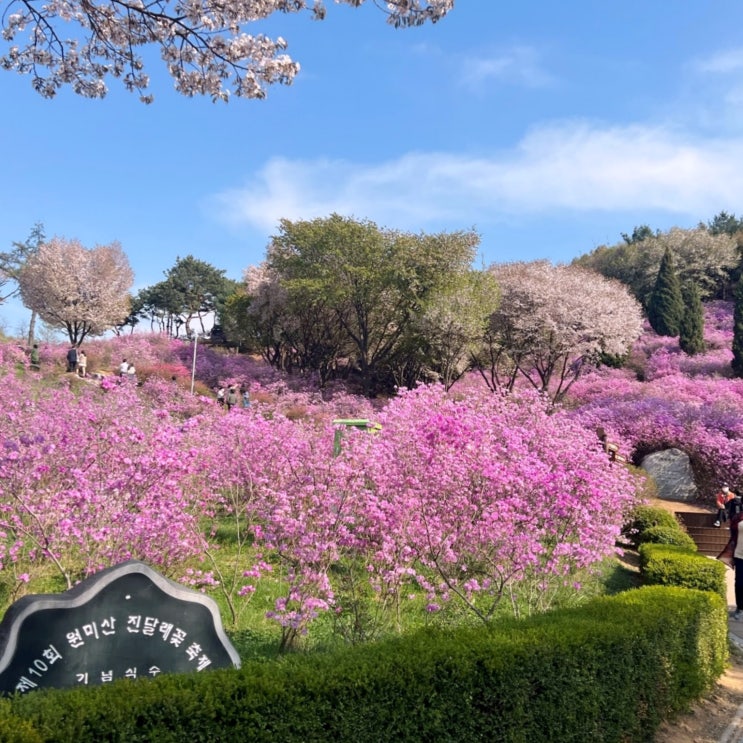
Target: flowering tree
<point>202,43</point>
<point>552,321</point>
<point>85,292</point>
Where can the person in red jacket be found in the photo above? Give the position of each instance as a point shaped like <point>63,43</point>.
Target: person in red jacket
<point>721,500</point>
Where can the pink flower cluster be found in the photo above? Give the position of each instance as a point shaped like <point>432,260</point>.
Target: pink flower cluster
<point>460,497</point>
<point>464,496</point>
<point>690,403</point>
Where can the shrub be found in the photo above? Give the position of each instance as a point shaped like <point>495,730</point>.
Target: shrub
<point>610,670</point>
<point>14,729</point>
<point>645,517</point>
<point>674,535</point>
<point>670,565</point>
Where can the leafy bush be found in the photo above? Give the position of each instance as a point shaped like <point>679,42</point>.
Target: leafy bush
<point>671,565</point>
<point>643,518</point>
<point>14,729</point>
<point>674,535</point>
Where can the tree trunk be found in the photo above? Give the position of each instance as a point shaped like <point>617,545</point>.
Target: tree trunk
<point>31,329</point>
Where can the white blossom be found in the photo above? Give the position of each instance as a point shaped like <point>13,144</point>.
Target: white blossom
<point>553,320</point>
<point>203,42</point>
<point>83,291</point>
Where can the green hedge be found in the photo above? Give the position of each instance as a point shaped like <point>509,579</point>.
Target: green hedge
<point>673,535</point>
<point>670,565</point>
<point>646,517</point>
<point>610,670</point>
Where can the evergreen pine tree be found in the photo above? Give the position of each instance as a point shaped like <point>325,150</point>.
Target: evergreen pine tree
<point>666,305</point>
<point>737,362</point>
<point>691,327</point>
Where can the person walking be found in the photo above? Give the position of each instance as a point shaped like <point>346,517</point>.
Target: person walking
<point>72,359</point>
<point>123,368</point>
<point>734,547</point>
<point>220,396</point>
<point>245,397</point>
<point>82,363</point>
<point>34,358</point>
<point>733,505</point>
<point>231,398</point>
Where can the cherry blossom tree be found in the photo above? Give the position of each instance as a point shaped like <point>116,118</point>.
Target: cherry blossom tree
<point>203,43</point>
<point>85,292</point>
<point>552,321</point>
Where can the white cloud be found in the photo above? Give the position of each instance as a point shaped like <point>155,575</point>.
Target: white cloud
<point>725,62</point>
<point>519,65</point>
<point>569,167</point>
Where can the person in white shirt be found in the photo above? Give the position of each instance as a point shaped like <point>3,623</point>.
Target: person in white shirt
<point>82,363</point>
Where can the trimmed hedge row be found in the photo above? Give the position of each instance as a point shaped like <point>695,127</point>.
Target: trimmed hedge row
<point>610,670</point>
<point>670,565</point>
<point>669,556</point>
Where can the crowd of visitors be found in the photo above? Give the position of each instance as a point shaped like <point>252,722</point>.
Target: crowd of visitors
<point>127,371</point>
<point>228,397</point>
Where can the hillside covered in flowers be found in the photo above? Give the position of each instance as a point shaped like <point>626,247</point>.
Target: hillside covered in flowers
<point>466,498</point>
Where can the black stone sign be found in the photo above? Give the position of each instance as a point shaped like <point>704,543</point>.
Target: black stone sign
<point>125,622</point>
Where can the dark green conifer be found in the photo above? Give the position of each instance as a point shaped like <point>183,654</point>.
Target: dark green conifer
<point>737,362</point>
<point>666,305</point>
<point>691,328</point>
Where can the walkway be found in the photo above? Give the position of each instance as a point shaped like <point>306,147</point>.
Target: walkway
<point>734,731</point>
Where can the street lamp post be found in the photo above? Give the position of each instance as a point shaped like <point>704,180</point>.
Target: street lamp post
<point>193,365</point>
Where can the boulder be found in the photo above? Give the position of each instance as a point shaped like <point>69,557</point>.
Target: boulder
<point>672,473</point>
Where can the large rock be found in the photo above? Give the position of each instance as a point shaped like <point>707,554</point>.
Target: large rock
<point>672,473</point>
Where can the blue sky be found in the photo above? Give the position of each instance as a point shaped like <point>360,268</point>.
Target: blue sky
<point>550,128</point>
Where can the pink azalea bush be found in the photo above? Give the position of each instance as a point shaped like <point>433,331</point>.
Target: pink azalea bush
<point>690,403</point>
<point>462,498</point>
<point>88,479</point>
<point>475,497</point>
<point>457,497</point>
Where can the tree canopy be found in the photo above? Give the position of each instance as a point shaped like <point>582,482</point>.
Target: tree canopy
<point>82,291</point>
<point>552,320</point>
<point>340,289</point>
<point>203,44</point>
<point>666,305</point>
<point>691,327</point>
<point>724,223</point>
<point>11,264</point>
<point>192,290</point>
<point>702,257</point>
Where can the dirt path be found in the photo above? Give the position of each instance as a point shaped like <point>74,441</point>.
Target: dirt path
<point>709,719</point>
